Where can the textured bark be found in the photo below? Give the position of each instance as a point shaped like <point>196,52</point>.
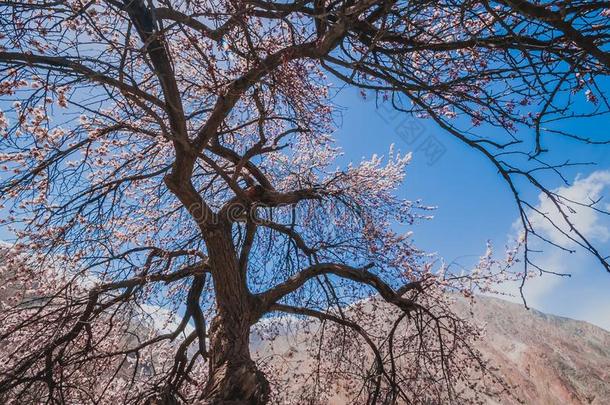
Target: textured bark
<point>234,378</point>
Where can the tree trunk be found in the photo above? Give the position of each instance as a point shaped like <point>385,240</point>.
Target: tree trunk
<point>234,378</point>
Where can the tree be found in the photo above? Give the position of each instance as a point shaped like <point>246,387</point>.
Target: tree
<point>177,153</point>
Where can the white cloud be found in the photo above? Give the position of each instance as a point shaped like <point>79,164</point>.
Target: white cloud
<point>582,296</point>
<point>588,221</point>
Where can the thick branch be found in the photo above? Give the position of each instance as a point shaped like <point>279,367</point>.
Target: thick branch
<point>67,66</point>
<point>556,20</point>
<point>360,275</point>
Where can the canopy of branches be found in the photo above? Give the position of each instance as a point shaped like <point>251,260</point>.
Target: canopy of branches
<point>178,155</point>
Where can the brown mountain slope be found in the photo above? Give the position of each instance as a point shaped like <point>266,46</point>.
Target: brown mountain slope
<point>549,360</point>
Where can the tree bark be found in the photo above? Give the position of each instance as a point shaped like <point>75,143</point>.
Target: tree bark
<point>233,376</point>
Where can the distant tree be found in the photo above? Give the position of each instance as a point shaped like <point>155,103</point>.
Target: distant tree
<point>177,155</point>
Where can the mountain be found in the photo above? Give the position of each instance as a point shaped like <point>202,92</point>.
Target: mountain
<point>547,359</point>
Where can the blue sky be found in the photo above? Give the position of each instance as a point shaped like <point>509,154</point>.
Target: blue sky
<point>475,205</point>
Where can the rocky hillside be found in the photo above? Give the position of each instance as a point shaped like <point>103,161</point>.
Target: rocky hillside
<point>549,360</point>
